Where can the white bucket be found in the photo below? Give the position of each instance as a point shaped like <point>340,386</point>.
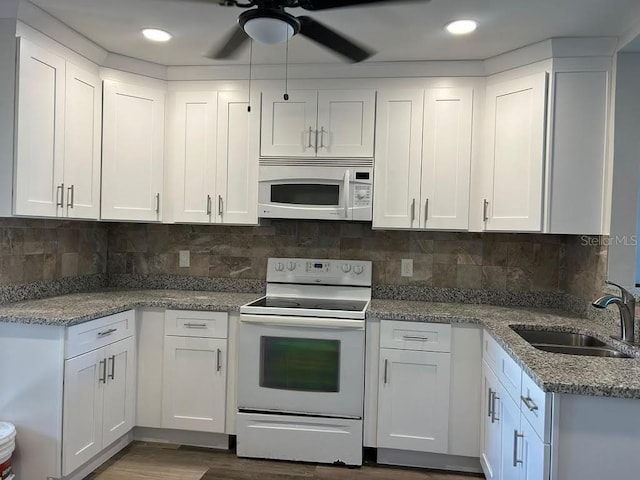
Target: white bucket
<point>7,446</point>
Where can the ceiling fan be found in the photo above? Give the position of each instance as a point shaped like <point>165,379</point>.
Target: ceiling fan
<point>270,23</point>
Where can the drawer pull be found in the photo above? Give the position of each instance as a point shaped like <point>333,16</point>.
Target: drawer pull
<point>516,435</point>
<point>529,403</point>
<point>490,404</point>
<point>416,337</point>
<point>103,367</point>
<point>218,364</point>
<point>386,370</point>
<point>104,333</point>
<point>494,418</point>
<point>112,375</point>
<point>195,325</point>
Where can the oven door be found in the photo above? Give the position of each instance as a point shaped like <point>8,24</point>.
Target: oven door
<point>301,365</point>
<point>309,192</point>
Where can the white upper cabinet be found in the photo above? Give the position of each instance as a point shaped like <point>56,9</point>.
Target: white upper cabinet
<point>82,143</point>
<point>213,159</point>
<point>58,137</point>
<point>515,153</point>
<point>132,152</point>
<point>423,159</point>
<point>39,188</point>
<point>329,123</point>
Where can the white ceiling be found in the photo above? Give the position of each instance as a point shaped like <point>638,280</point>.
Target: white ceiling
<point>397,31</point>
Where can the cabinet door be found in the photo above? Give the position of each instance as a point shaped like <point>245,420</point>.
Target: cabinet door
<point>413,400</point>
<point>396,203</point>
<point>193,156</point>
<point>346,123</point>
<point>515,153</point>
<point>82,143</point>
<point>490,443</point>
<point>509,414</point>
<point>289,126</point>
<point>446,158</point>
<point>133,144</point>
<point>237,176</point>
<point>40,132</point>
<point>84,382</point>
<point>119,391</point>
<point>533,453</point>
<point>191,365</point>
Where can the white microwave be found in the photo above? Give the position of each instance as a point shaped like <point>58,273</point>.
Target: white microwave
<point>315,192</point>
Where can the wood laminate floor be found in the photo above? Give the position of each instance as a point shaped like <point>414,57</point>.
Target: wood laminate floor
<point>142,461</point>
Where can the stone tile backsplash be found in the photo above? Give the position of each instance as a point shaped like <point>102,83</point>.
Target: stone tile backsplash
<point>45,250</point>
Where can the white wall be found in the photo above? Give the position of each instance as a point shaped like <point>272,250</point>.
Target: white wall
<point>638,234</point>
<point>624,208</point>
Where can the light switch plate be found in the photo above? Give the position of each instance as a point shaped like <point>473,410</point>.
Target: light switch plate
<point>406,267</point>
<point>184,258</point>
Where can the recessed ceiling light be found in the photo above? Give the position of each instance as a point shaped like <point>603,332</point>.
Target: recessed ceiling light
<point>156,35</point>
<point>461,27</point>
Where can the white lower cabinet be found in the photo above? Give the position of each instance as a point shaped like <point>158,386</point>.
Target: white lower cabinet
<point>512,449</point>
<point>99,393</point>
<point>194,361</point>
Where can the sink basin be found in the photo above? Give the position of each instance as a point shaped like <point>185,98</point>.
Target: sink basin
<point>569,343</point>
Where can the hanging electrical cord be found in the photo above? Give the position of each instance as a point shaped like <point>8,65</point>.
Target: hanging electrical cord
<point>250,63</point>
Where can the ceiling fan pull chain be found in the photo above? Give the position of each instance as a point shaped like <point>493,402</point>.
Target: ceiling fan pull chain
<point>286,69</point>
<point>250,62</point>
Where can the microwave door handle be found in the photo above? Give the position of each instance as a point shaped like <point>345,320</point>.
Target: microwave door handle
<point>346,194</point>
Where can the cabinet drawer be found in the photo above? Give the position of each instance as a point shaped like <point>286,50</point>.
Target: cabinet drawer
<point>427,337</point>
<point>535,406</point>
<point>185,323</point>
<point>98,333</point>
<point>506,369</point>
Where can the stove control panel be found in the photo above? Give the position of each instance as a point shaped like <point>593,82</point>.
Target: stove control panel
<point>319,271</point>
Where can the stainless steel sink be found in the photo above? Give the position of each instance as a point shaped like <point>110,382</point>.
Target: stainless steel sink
<point>568,343</point>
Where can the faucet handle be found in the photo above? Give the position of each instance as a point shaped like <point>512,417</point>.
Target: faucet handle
<point>626,295</point>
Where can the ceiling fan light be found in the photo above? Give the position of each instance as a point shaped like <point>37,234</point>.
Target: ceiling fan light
<point>461,27</point>
<point>268,30</point>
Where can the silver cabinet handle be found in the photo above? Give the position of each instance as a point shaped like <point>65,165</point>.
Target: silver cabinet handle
<point>386,371</point>
<point>220,205</point>
<point>321,137</point>
<point>112,359</point>
<point>103,367</point>
<point>494,418</point>
<point>347,197</point>
<point>104,333</point>
<point>485,211</point>
<point>70,193</point>
<point>413,210</point>
<point>490,405</point>
<point>60,195</point>
<point>218,364</point>
<point>426,210</point>
<point>528,401</point>
<point>516,435</point>
<point>195,325</point>
<point>208,204</point>
<point>415,337</point>
<point>157,203</point>
<point>310,133</point>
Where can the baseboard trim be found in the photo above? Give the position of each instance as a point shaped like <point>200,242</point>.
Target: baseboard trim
<point>438,461</point>
<point>182,437</point>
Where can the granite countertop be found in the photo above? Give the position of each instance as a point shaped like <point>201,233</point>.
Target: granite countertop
<point>558,373</point>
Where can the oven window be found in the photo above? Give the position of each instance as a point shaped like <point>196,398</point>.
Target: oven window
<point>303,364</point>
<point>306,194</point>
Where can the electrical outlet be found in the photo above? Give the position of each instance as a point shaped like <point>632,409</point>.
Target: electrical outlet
<point>406,267</point>
<point>184,258</point>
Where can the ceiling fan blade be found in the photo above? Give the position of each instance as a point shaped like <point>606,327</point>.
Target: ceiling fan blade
<point>230,46</point>
<point>326,4</point>
<point>332,40</point>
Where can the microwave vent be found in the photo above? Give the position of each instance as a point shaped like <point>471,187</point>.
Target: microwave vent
<point>317,162</point>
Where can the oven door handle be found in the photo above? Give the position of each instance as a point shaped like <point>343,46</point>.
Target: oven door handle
<point>304,322</point>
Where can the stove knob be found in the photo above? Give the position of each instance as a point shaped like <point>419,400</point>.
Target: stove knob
<point>291,266</point>
<point>358,269</point>
<point>279,267</point>
<point>346,268</point>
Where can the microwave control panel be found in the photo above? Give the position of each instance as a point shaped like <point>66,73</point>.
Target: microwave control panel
<point>361,195</point>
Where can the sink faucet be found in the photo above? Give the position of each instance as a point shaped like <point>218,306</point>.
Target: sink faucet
<point>626,303</point>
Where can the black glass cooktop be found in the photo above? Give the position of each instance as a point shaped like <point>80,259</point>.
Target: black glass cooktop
<point>310,303</point>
